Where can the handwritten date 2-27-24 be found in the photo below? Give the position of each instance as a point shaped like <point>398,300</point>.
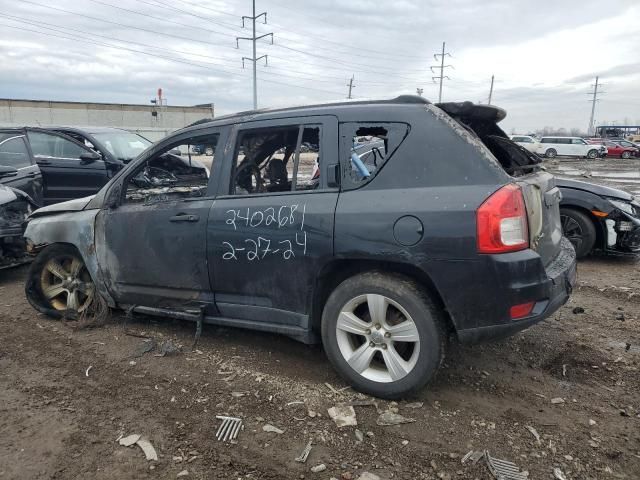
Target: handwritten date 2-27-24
<point>259,248</point>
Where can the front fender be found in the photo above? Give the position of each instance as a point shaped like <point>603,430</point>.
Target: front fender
<point>72,228</point>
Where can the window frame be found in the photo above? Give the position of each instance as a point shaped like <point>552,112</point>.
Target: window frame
<point>53,133</point>
<point>328,150</point>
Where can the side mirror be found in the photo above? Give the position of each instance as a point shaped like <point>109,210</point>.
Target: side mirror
<point>7,172</point>
<point>89,157</point>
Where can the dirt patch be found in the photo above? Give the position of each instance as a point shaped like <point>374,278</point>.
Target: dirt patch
<point>61,419</point>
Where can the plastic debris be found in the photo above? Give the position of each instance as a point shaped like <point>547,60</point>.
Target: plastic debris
<point>302,458</point>
<point>557,400</point>
<point>229,428</point>
<point>183,473</point>
<point>147,448</point>
<point>271,429</point>
<point>534,432</point>
<point>503,469</point>
<point>473,456</point>
<point>86,373</point>
<point>130,440</point>
<point>343,415</point>
<point>391,418</point>
<point>368,476</point>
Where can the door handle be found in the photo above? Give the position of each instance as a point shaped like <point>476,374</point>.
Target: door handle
<point>182,217</point>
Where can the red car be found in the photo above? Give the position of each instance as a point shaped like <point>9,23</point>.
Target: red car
<point>614,149</point>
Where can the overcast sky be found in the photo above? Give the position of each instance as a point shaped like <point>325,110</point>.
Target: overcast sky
<point>544,54</point>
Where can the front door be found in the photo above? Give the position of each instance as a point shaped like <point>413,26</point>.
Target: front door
<point>15,153</point>
<point>271,229</point>
<point>66,175</point>
<point>152,245</point>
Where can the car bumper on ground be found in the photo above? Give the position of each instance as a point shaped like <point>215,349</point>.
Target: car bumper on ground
<point>548,287</point>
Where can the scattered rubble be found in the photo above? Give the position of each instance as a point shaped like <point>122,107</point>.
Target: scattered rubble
<point>271,429</point>
<point>319,468</point>
<point>391,418</point>
<point>143,443</point>
<point>535,433</point>
<point>229,428</point>
<point>343,415</point>
<point>302,458</point>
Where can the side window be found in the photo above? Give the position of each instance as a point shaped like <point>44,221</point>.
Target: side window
<point>171,174</point>
<point>53,146</point>
<point>564,141</point>
<point>277,159</point>
<point>13,151</point>
<point>367,146</point>
<point>577,141</point>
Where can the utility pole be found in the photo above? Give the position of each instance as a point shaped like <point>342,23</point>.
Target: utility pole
<point>593,101</point>
<point>419,91</point>
<point>442,66</point>
<point>254,59</point>
<point>351,86</point>
<point>490,91</point>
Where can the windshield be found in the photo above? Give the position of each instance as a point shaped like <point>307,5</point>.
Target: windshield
<point>124,146</point>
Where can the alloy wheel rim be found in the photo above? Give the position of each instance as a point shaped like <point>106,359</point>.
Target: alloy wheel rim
<point>572,230</point>
<point>378,338</point>
<point>66,284</point>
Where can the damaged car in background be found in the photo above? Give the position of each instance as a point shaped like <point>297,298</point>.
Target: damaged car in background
<point>599,219</point>
<point>379,228</point>
<point>15,207</point>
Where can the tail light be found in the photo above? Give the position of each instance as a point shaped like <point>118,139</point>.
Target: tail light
<point>502,222</point>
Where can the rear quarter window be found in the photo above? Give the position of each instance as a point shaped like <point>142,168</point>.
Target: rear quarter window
<point>365,148</point>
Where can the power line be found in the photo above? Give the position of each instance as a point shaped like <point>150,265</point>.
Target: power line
<point>255,58</point>
<point>77,39</point>
<point>442,66</point>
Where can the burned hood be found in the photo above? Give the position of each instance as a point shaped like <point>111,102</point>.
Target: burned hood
<point>75,205</point>
<point>7,195</point>
<point>593,188</point>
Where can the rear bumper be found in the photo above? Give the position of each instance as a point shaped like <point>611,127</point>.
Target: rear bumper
<point>550,290</point>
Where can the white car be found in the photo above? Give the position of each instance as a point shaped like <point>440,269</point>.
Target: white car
<point>528,142</point>
<point>552,147</point>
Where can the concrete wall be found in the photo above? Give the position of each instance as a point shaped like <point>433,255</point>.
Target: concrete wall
<point>138,118</point>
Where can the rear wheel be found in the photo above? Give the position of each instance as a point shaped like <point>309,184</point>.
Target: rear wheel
<point>592,154</point>
<point>383,334</point>
<point>550,153</point>
<point>625,155</point>
<point>59,284</point>
<point>579,229</point>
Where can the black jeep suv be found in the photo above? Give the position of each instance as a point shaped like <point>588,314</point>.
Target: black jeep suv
<point>405,223</point>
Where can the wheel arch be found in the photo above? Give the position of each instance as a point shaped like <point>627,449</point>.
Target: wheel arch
<point>601,230</point>
<point>339,270</point>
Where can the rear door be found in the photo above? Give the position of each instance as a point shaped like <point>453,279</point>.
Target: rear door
<point>66,176</point>
<point>271,229</point>
<point>14,152</point>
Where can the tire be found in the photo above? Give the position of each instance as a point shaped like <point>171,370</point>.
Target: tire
<point>625,155</point>
<point>592,154</point>
<point>408,309</point>
<point>579,229</point>
<point>60,270</point>
<point>550,153</point>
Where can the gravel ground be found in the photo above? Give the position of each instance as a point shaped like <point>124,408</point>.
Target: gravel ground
<point>59,419</point>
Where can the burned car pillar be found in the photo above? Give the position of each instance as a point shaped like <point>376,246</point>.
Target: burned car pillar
<point>15,206</point>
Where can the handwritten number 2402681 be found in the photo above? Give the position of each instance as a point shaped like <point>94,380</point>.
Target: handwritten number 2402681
<point>281,216</point>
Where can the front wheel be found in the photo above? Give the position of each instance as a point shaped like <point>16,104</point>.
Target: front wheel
<point>550,153</point>
<point>59,284</point>
<point>383,334</point>
<point>592,154</point>
<point>625,155</point>
<point>579,229</point>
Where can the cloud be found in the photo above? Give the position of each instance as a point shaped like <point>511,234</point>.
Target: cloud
<point>123,51</point>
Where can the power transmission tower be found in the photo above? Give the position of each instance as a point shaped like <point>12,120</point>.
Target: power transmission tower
<point>419,91</point>
<point>351,87</point>
<point>254,59</point>
<point>490,91</point>
<point>442,66</point>
<point>593,101</point>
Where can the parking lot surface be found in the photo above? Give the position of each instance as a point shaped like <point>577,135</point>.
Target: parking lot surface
<point>61,419</point>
